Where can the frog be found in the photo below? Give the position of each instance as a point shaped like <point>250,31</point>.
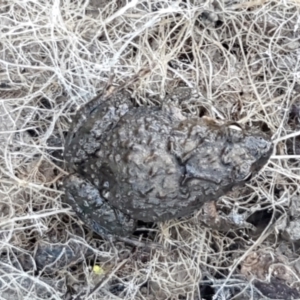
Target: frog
<point>129,163</point>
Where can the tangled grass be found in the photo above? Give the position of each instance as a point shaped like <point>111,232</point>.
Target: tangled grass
<point>241,60</point>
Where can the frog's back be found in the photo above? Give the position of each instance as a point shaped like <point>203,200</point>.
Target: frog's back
<point>133,167</point>
<point>138,166</point>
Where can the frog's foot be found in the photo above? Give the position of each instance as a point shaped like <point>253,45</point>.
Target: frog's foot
<point>94,211</point>
<point>223,222</point>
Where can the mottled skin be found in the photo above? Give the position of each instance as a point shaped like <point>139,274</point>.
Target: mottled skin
<point>152,163</point>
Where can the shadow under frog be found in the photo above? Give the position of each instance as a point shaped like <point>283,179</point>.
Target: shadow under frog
<point>152,163</point>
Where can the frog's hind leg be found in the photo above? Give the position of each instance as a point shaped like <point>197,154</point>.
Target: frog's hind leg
<point>94,211</point>
<point>90,124</point>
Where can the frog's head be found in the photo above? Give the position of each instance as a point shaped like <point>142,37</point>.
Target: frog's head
<point>247,152</point>
<point>227,156</point>
<point>260,148</point>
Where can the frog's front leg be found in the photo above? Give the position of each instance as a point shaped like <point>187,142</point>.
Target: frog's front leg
<point>94,211</point>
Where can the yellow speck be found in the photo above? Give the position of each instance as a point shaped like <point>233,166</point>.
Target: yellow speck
<point>98,270</point>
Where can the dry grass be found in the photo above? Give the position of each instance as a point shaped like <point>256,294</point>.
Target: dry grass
<point>241,58</point>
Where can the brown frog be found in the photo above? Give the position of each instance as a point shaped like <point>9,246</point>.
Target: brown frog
<point>152,163</point>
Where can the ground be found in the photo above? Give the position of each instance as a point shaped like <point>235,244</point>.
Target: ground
<point>241,61</point>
